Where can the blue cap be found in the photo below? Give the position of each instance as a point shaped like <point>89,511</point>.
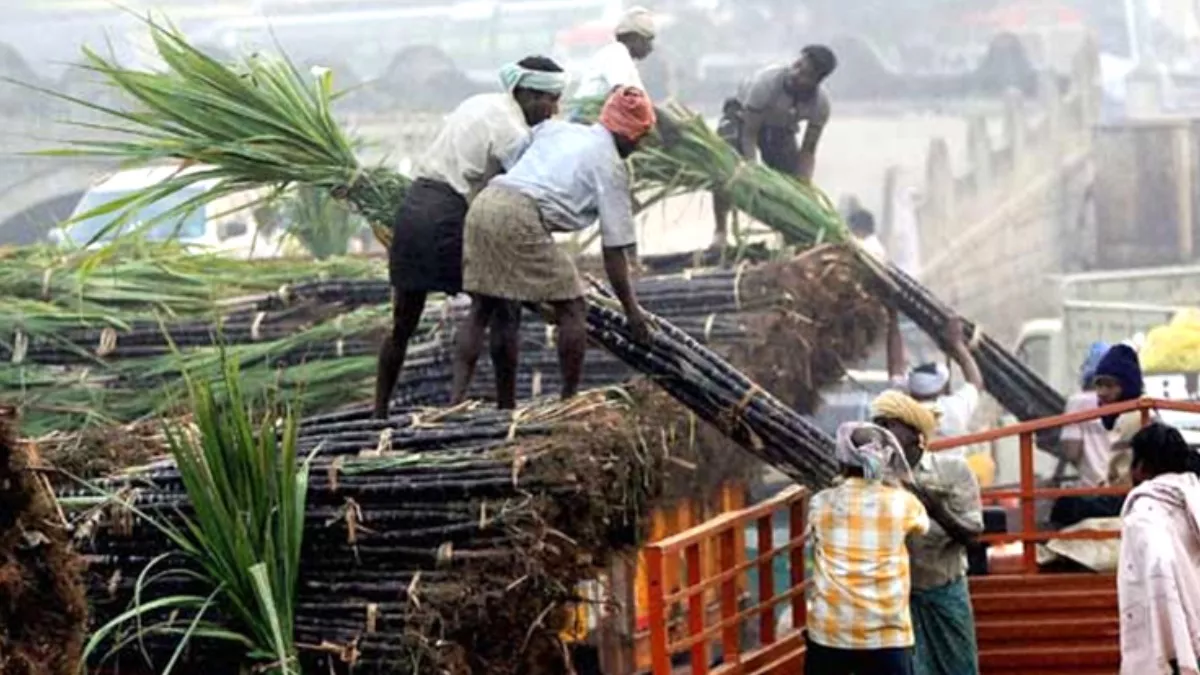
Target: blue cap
<point>1088,370</point>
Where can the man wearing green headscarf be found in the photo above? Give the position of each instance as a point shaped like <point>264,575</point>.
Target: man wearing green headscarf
<point>484,136</point>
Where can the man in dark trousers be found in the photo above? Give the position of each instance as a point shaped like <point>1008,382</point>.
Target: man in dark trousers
<point>765,118</point>
<point>483,137</point>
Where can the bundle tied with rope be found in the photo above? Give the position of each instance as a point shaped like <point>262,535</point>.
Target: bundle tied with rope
<point>317,334</point>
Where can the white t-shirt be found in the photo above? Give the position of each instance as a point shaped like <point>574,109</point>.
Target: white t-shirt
<point>482,137</point>
<point>1097,442</point>
<point>610,67</point>
<point>957,410</point>
<point>872,245</point>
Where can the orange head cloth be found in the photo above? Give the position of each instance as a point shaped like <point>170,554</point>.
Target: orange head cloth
<point>628,112</point>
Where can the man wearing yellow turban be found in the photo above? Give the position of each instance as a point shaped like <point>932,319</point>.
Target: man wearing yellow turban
<point>940,604</point>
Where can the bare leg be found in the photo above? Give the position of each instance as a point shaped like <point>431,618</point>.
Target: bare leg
<point>406,316</point>
<point>469,344</point>
<point>505,348</point>
<point>721,209</point>
<point>572,343</point>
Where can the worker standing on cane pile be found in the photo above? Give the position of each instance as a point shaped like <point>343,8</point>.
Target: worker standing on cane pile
<point>615,65</point>
<point>940,603</point>
<point>765,118</point>
<point>570,176</point>
<point>858,620</point>
<point>482,137</point>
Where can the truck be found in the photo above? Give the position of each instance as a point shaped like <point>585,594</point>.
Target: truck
<point>1112,306</point>
<point>228,224</point>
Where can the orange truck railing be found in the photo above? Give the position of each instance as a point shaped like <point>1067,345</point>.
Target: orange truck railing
<point>726,532</point>
<point>777,654</point>
<point>1029,493</point>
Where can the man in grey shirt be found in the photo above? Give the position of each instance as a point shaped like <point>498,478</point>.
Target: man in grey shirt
<point>765,117</point>
<point>940,602</point>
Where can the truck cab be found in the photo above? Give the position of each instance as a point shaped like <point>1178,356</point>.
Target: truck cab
<point>1113,306</point>
<point>228,224</point>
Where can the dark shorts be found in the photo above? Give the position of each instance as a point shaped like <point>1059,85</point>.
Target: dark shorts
<point>822,660</point>
<point>778,146</point>
<point>427,239</point>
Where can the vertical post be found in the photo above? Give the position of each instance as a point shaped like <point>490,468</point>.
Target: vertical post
<point>1028,504</point>
<point>766,580</point>
<point>671,527</point>
<point>619,648</point>
<point>731,647</point>
<point>1184,161</point>
<point>797,515</point>
<point>660,633</point>
<point>629,627</point>
<point>696,604</point>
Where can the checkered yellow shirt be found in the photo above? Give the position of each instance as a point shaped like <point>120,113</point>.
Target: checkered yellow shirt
<point>858,598</point>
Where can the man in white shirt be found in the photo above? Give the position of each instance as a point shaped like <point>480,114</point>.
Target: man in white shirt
<point>615,64</point>
<point>1087,444</point>
<point>930,382</point>
<point>1158,580</point>
<point>484,136</point>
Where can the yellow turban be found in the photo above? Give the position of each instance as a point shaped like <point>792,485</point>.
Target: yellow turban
<point>895,404</point>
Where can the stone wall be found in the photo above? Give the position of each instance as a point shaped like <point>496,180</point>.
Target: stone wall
<point>1021,209</point>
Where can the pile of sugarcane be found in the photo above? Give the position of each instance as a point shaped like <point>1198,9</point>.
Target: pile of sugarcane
<point>320,338</point>
<point>434,537</point>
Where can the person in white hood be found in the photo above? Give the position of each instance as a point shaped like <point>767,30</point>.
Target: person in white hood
<point>615,64</point>
<point>929,382</point>
<point>1158,582</point>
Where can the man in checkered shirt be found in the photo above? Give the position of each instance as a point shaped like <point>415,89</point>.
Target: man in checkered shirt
<point>858,618</point>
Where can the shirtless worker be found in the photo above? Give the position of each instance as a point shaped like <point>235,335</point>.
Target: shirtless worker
<point>765,117</point>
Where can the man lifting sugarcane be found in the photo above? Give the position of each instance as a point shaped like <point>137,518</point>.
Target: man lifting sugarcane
<point>483,137</point>
<point>765,118</point>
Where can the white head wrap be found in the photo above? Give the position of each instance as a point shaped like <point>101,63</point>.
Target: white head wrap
<point>926,384</point>
<point>512,75</point>
<point>638,20</point>
<point>873,449</point>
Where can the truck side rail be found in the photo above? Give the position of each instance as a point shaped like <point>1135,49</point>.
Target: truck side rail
<point>1029,493</point>
<point>726,530</point>
<point>776,651</point>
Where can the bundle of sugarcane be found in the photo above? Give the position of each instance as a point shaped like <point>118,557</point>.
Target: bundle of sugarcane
<point>45,292</point>
<point>323,366</point>
<point>701,160</point>
<point>276,315</point>
<point>466,527</point>
<point>769,318</point>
